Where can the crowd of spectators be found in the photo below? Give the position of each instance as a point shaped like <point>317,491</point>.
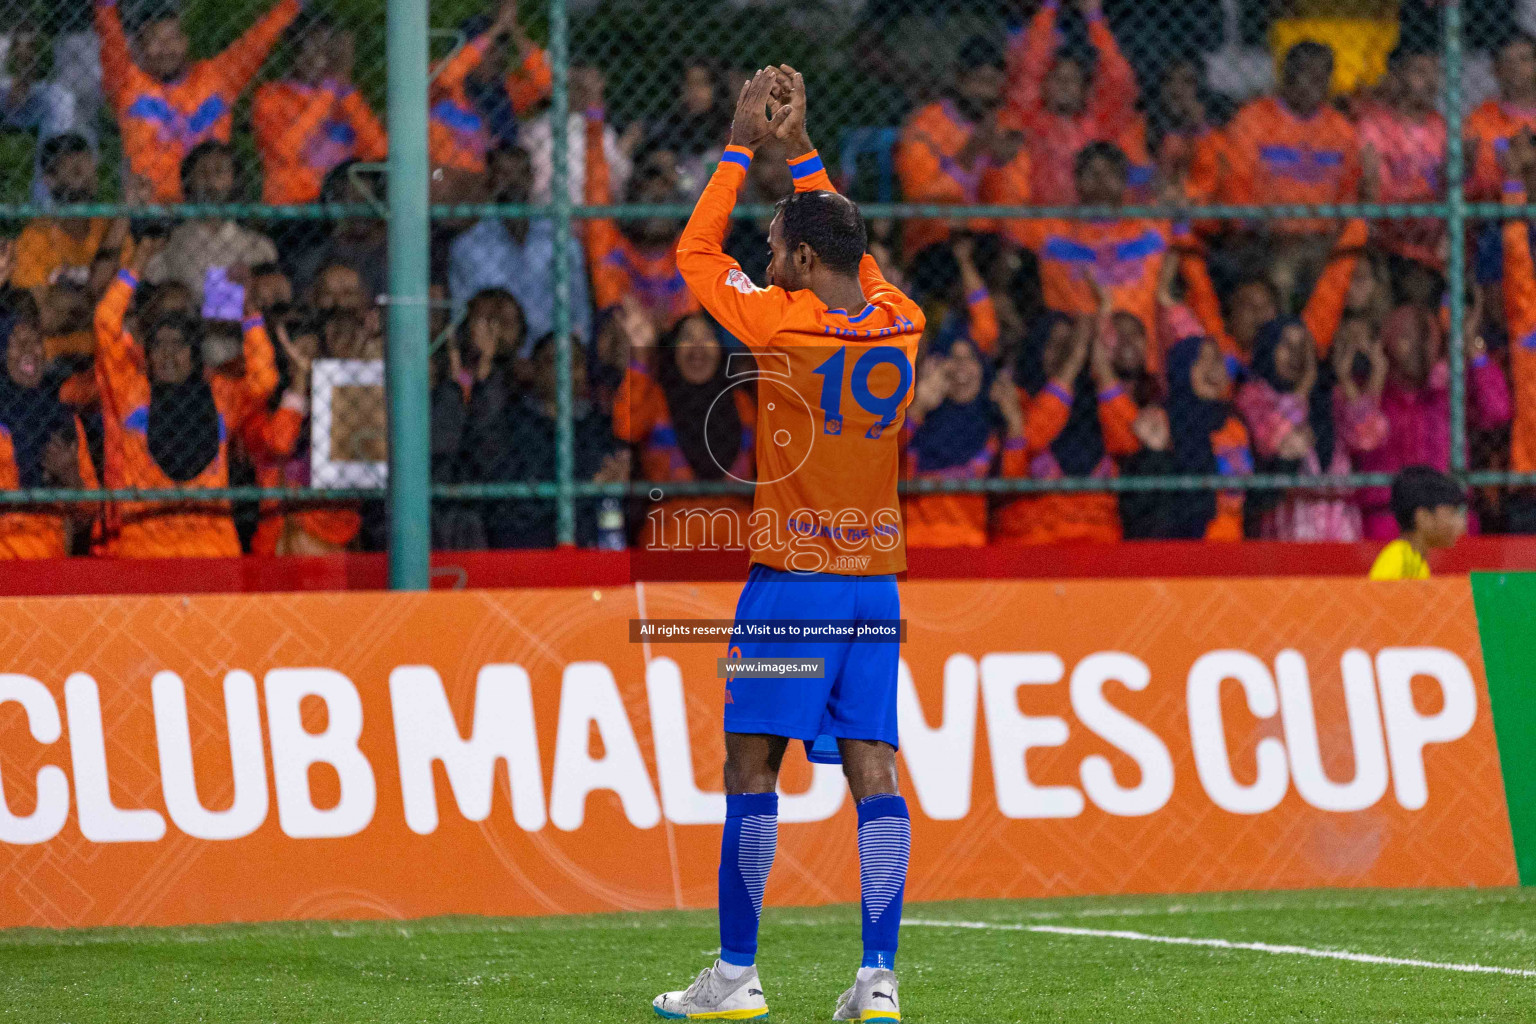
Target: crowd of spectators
<point>142,354</point>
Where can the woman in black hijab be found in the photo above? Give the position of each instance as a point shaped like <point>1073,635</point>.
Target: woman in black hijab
<point>169,418</point>
<point>1199,436</point>
<point>39,441</point>
<point>691,418</point>
<point>1069,409</point>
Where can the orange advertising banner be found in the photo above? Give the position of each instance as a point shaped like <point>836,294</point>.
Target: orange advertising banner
<point>201,759</point>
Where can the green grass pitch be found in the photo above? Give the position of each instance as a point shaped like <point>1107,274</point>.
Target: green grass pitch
<point>1003,967</point>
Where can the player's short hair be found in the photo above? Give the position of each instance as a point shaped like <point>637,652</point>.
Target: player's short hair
<point>60,146</point>
<point>1307,49</point>
<point>1423,487</point>
<point>1101,150</point>
<point>829,223</point>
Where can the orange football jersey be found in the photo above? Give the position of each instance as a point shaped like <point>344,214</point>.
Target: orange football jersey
<point>833,386</point>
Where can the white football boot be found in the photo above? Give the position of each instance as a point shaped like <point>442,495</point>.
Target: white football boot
<point>872,1000</point>
<point>713,996</point>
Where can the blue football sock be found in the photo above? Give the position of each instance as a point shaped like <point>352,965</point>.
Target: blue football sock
<point>746,855</point>
<point>885,845</point>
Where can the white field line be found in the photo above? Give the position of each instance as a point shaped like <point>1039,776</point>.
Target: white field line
<point>129,936</point>
<point>1274,906</point>
<point>1254,947</point>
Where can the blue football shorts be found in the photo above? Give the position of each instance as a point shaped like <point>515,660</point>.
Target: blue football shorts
<point>856,696</point>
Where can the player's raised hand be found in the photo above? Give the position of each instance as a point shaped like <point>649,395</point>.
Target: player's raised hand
<point>789,118</point>
<point>751,125</point>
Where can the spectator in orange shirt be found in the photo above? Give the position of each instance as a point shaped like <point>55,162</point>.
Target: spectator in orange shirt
<point>314,120</point>
<point>479,93</point>
<point>276,439</point>
<point>632,257</point>
<point>957,150</point>
<point>688,422</point>
<point>167,104</point>
<point>1062,106</point>
<point>962,417</point>
<point>173,421</point>
<point>1492,125</point>
<point>1127,258</point>
<point>1347,287</point>
<point>1182,119</point>
<point>1078,417</point>
<point>42,443</point>
<point>1293,148</point>
<point>1519,287</point>
<point>53,250</point>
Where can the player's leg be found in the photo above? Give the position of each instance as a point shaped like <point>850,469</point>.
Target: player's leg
<point>885,846</point>
<point>748,844</point>
<point>731,989</point>
<point>761,715</point>
<point>864,719</point>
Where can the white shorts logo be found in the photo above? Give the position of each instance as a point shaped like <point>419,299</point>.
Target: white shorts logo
<point>740,281</point>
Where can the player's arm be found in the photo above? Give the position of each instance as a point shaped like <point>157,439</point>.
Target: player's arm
<point>243,58</point>
<point>810,175</point>
<point>1030,60</point>
<point>750,313</point>
<point>1114,82</point>
<point>372,139</point>
<point>610,281</point>
<point>1325,307</point>
<point>117,367</point>
<point>116,58</point>
<point>1519,268</point>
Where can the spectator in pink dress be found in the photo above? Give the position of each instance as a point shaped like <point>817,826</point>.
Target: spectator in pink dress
<point>1416,402</point>
<point>1303,423</point>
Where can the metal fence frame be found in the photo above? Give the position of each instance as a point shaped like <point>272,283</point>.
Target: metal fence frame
<point>410,215</point>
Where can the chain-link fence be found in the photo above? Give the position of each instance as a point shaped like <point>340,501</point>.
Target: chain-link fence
<point>1160,309</point>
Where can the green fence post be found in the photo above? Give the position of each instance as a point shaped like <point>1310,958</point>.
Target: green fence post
<point>560,196</point>
<point>410,531</point>
<point>1456,232</point>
